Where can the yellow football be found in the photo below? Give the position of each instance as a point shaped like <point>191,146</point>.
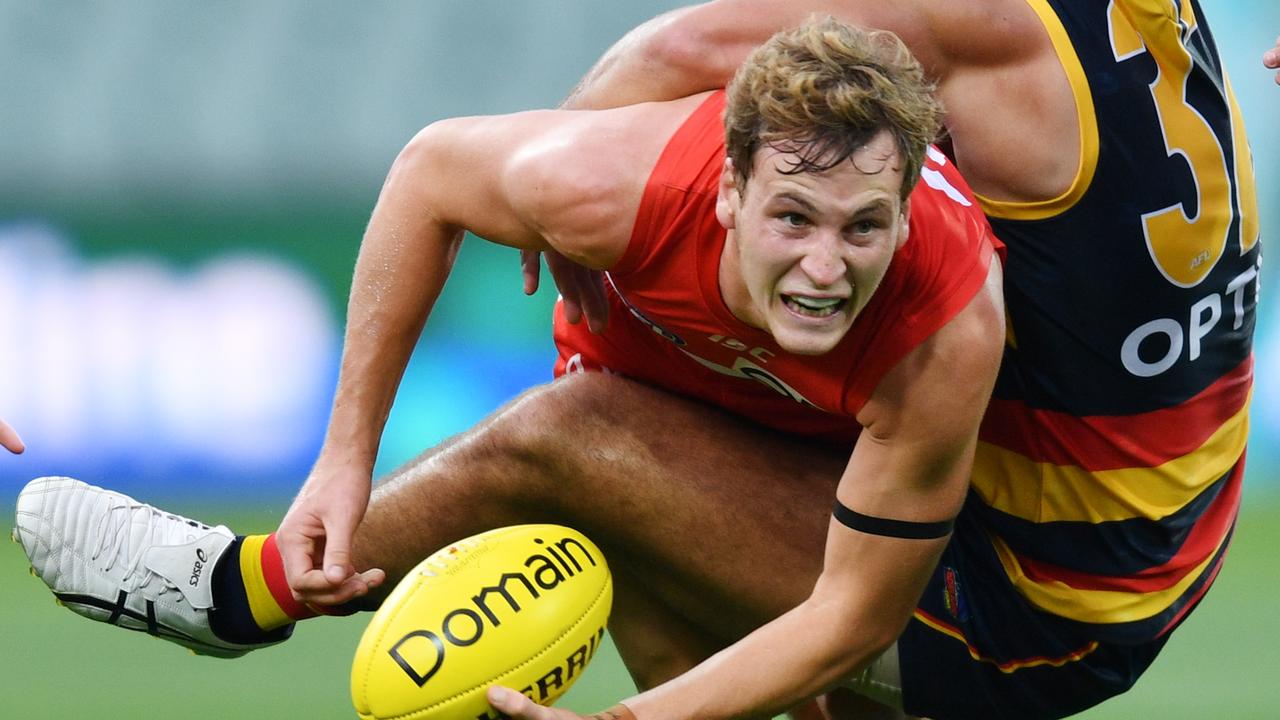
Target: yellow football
<point>521,606</point>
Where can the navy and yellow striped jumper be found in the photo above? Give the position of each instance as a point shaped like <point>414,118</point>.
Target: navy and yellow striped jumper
<point>1108,473</point>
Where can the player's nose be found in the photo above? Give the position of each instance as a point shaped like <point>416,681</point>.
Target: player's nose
<point>823,261</point>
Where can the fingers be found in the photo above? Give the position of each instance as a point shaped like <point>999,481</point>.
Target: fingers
<point>572,310</point>
<point>1271,59</point>
<point>581,292</point>
<point>338,531</point>
<point>296,553</point>
<point>9,439</point>
<point>517,706</point>
<point>531,269</point>
<point>595,304</point>
<point>315,588</point>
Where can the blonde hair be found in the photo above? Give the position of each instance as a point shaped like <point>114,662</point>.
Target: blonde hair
<point>824,89</point>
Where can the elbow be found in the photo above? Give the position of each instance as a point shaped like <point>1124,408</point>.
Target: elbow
<point>862,634</point>
<point>412,188</point>
<point>419,153</point>
<point>421,163</point>
<point>675,47</point>
<point>867,635</point>
<point>865,642</point>
<point>702,53</point>
<point>883,636</point>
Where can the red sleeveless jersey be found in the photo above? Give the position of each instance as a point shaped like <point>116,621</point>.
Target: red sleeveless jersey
<point>669,326</point>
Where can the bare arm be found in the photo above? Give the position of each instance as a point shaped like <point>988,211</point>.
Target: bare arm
<point>911,463</point>
<point>699,47</point>
<point>523,180</point>
<point>997,73</point>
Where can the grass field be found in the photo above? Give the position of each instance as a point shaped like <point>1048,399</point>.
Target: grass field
<point>1222,663</point>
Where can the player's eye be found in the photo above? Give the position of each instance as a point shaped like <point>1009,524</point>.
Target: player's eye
<point>793,219</point>
<point>865,227</point>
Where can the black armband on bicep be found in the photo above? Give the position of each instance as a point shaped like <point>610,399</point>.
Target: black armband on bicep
<point>905,529</point>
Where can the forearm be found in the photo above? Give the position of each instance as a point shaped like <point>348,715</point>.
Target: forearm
<point>804,652</point>
<point>864,597</point>
<point>651,63</point>
<point>404,259</point>
<point>698,48</point>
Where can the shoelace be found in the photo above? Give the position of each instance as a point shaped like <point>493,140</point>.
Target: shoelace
<point>115,537</point>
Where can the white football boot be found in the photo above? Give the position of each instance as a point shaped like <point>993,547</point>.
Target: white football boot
<point>111,558</point>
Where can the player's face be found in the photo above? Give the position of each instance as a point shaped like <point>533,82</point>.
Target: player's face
<point>805,252</point>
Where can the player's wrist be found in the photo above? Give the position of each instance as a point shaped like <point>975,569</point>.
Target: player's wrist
<point>617,712</point>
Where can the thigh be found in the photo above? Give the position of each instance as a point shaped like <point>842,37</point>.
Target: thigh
<point>722,520</point>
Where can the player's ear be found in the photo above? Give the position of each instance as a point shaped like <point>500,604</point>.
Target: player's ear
<point>727,198</point>
<point>904,224</point>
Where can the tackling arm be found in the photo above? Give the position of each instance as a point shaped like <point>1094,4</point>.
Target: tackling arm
<point>699,47</point>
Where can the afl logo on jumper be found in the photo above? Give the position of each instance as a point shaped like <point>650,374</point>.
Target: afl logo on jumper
<point>952,595</point>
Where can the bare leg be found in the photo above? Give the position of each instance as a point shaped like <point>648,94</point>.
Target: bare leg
<point>723,520</point>
<point>714,525</point>
<point>655,643</point>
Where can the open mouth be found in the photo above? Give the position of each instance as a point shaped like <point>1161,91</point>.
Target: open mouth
<point>812,306</point>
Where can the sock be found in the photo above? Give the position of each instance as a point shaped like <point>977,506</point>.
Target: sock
<point>252,597</point>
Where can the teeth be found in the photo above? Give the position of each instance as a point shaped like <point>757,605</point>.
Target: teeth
<point>815,303</point>
<point>813,307</point>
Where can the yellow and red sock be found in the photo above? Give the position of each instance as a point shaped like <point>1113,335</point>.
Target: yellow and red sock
<point>267,591</point>
<point>251,595</point>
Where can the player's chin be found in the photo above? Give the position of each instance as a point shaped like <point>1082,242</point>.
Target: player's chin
<point>811,336</point>
<point>809,343</point>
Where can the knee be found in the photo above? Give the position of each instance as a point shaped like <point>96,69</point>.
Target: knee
<point>563,414</point>
<point>579,429</point>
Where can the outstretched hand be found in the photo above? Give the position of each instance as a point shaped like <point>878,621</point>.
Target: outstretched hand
<point>315,539</point>
<point>581,289</point>
<point>1271,59</point>
<point>9,439</point>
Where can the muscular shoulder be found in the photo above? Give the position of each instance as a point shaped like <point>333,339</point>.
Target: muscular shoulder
<point>578,176</point>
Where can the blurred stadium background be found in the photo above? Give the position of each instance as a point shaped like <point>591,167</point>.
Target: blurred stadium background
<point>182,193</point>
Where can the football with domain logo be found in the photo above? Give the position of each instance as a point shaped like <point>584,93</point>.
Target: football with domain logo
<point>521,606</point>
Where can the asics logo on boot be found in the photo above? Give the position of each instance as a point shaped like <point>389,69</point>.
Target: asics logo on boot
<point>201,559</point>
